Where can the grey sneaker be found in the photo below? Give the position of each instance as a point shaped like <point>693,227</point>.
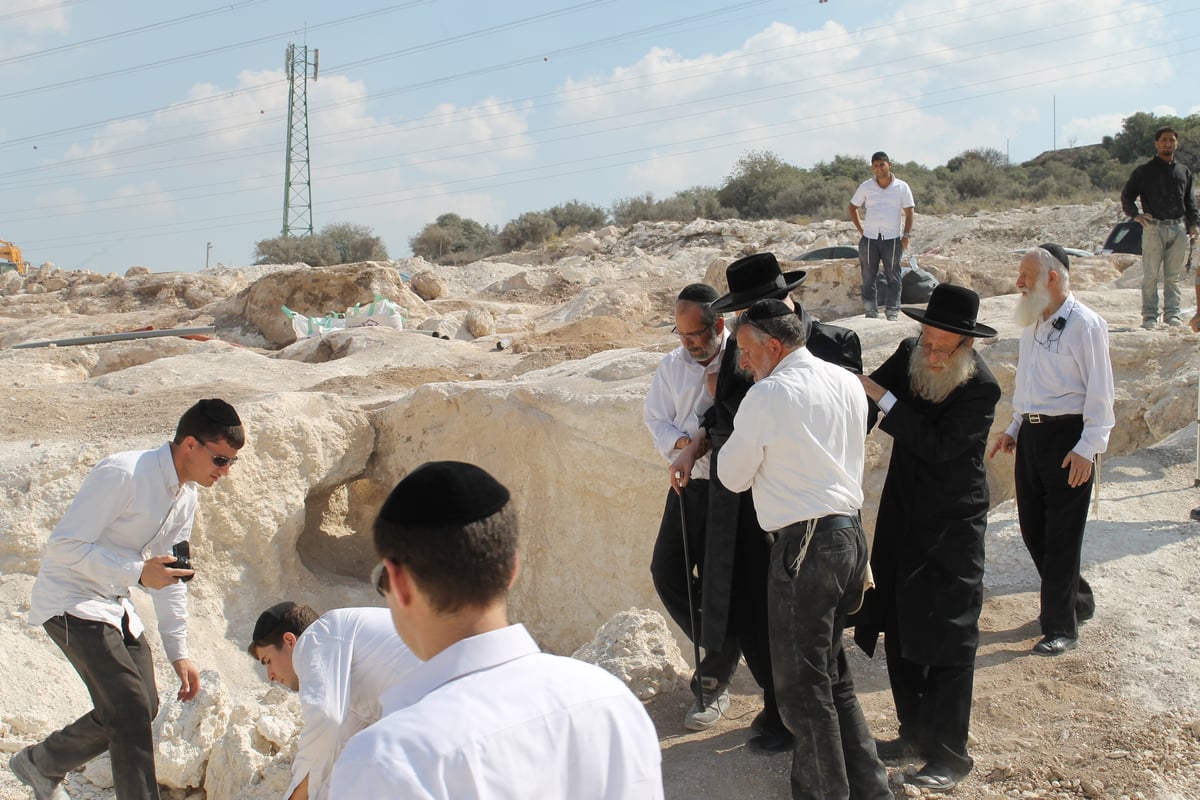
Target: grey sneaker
<point>893,316</point>
<point>1174,322</point>
<point>44,788</point>
<point>697,720</point>
<point>1149,324</point>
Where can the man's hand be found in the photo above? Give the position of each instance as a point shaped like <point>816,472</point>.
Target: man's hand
<point>157,572</point>
<point>1080,469</point>
<point>189,679</point>
<point>1004,443</point>
<point>1143,219</point>
<point>873,389</point>
<point>680,471</point>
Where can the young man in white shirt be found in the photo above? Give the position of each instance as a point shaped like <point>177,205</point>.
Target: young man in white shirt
<point>797,442</point>
<point>884,233</point>
<point>129,523</point>
<point>341,663</point>
<point>680,393</point>
<point>487,715</point>
<point>1062,417</point>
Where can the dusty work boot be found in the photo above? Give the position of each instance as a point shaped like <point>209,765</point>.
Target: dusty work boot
<point>44,788</point>
<point>716,703</point>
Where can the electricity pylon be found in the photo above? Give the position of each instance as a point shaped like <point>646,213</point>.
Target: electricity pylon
<point>297,186</point>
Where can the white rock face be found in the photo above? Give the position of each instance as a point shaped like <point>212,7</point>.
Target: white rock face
<point>184,733</point>
<point>638,648</point>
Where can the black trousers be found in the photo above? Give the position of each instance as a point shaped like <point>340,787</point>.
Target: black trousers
<point>749,617</point>
<point>671,573</point>
<point>118,671</point>
<point>933,705</point>
<point>834,756</point>
<point>1053,515</point>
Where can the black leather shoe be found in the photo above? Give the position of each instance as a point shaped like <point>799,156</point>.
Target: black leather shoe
<point>771,742</point>
<point>934,777</point>
<point>897,749</point>
<point>764,724</point>
<point>1055,645</point>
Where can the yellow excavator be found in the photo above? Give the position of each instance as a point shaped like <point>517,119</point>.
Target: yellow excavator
<point>10,258</point>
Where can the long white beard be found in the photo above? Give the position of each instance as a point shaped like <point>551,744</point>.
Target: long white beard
<point>935,385</point>
<point>1030,306</point>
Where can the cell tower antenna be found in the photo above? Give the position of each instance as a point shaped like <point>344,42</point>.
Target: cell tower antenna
<point>297,179</point>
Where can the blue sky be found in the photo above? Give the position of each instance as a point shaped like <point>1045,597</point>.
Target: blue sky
<point>135,133</point>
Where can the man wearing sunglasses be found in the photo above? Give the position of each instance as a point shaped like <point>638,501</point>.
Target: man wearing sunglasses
<point>487,715</point>
<point>797,443</point>
<point>341,663</point>
<point>131,511</point>
<point>938,400</point>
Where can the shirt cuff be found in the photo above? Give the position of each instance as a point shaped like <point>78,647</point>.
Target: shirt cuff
<point>886,402</point>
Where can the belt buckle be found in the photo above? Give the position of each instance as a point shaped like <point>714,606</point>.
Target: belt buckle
<point>1035,419</point>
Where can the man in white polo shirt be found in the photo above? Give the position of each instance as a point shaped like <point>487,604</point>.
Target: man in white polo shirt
<point>885,229</point>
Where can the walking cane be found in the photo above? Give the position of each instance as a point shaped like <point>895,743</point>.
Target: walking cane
<point>687,565</point>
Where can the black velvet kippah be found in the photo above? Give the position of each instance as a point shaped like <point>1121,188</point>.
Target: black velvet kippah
<point>218,412</point>
<point>698,293</point>
<point>270,619</point>
<point>1058,252</point>
<point>442,493</point>
<point>767,309</point>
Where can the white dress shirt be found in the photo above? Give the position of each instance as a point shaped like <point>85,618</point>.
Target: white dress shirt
<point>345,661</point>
<point>1067,371</point>
<point>885,207</point>
<point>798,441</point>
<point>492,718</point>
<point>130,507</point>
<point>677,399</point>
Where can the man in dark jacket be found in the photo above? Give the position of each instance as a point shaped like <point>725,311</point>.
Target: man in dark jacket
<point>734,587</point>
<point>938,399</point>
<point>1168,217</point>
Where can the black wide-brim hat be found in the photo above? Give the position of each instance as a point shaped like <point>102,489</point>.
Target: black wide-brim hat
<point>756,277</point>
<point>952,308</point>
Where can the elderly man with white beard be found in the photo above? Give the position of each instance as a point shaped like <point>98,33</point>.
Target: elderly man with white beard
<point>938,399</point>
<point>1062,416</point>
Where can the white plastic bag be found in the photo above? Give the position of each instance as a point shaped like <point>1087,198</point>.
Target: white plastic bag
<point>306,327</point>
<point>379,312</point>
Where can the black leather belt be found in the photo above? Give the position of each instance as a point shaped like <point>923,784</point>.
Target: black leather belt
<point>1042,419</point>
<point>1157,221</point>
<point>831,522</point>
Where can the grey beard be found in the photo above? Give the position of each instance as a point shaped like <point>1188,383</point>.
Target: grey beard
<point>1030,306</point>
<point>936,385</point>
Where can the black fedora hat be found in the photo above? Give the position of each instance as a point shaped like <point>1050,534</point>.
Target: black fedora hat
<point>952,308</point>
<point>756,277</point>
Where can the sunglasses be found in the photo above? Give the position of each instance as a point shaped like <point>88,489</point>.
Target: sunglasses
<point>219,460</point>
<point>379,578</point>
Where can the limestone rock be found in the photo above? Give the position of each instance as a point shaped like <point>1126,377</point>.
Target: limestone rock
<point>133,272</point>
<point>638,648</point>
<point>316,292</point>
<point>428,285</point>
<point>442,327</point>
<point>245,766</point>
<point>479,322</point>
<point>184,733</point>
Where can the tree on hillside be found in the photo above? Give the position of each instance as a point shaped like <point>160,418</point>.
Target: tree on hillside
<point>453,239</point>
<point>757,177</point>
<point>532,227</point>
<point>579,216</point>
<point>354,243</point>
